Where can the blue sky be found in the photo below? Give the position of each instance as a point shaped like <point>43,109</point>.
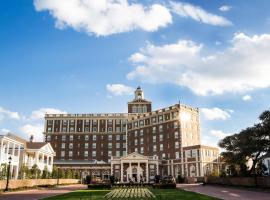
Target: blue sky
<point>86,57</point>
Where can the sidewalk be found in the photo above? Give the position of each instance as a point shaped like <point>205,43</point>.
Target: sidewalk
<point>40,193</point>
<point>228,193</point>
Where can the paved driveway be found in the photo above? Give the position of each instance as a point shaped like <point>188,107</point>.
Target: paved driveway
<point>40,193</point>
<point>228,193</point>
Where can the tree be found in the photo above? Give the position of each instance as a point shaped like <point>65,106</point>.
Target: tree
<point>24,172</point>
<point>45,173</point>
<point>251,143</point>
<point>3,173</point>
<point>35,171</point>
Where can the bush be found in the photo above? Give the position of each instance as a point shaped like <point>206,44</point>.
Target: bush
<point>180,179</point>
<point>165,186</point>
<point>99,186</point>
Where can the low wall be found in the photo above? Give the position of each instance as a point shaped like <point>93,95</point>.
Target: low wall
<point>13,184</point>
<point>240,181</point>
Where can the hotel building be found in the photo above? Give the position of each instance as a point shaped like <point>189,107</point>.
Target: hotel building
<point>134,145</point>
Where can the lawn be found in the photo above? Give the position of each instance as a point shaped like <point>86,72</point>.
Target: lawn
<point>161,194</point>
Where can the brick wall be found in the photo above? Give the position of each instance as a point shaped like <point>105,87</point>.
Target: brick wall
<point>13,184</point>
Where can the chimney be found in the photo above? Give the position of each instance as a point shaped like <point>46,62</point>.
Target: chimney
<point>31,138</point>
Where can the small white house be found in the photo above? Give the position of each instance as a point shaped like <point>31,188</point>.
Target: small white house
<point>10,151</point>
<point>21,152</point>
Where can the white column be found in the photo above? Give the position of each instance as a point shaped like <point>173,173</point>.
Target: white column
<point>182,169</point>
<point>8,148</point>
<point>13,150</point>
<point>53,126</point>
<point>138,174</point>
<point>130,171</point>
<point>36,157</point>
<point>61,124</point>
<point>187,170</point>
<point>16,172</point>
<point>1,150</point>
<point>111,168</point>
<point>83,125</point>
<point>11,171</point>
<point>98,125</point>
<point>197,169</point>
<point>157,165</point>
<point>122,171</point>
<point>147,173</point>
<point>172,171</point>
<point>106,125</point>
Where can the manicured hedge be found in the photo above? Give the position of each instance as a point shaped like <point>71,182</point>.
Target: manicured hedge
<point>99,186</point>
<point>165,186</point>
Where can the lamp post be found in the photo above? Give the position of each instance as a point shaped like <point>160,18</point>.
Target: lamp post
<point>8,171</point>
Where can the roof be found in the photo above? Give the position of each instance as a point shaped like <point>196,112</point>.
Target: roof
<point>35,145</point>
<point>15,137</point>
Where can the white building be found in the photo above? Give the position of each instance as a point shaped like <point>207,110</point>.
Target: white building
<point>24,153</point>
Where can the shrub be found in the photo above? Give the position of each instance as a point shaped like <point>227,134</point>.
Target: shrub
<point>165,186</point>
<point>99,186</point>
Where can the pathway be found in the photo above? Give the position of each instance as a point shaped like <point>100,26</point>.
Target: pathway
<point>228,193</point>
<point>36,194</point>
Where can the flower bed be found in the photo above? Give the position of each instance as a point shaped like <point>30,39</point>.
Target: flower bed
<point>140,193</point>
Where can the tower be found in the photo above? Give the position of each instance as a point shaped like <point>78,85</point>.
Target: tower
<point>139,104</point>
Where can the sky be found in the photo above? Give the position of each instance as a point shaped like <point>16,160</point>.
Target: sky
<point>84,56</point>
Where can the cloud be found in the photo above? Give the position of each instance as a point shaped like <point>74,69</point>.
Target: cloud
<point>219,134</point>
<point>105,17</point>
<point>225,8</point>
<point>119,89</point>
<point>40,113</point>
<point>246,98</point>
<point>4,131</point>
<point>198,14</point>
<point>33,129</point>
<point>215,113</point>
<point>241,67</point>
<point>7,114</point>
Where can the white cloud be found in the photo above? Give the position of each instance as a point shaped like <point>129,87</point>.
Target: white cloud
<point>105,17</point>
<point>225,8</point>
<point>198,14</point>
<point>215,113</point>
<point>7,114</point>
<point>4,131</point>
<point>246,98</point>
<point>119,89</point>
<point>33,129</point>
<point>40,113</point>
<point>241,67</point>
<point>219,134</point>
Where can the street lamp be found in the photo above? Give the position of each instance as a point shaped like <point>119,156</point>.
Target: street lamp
<point>8,171</point>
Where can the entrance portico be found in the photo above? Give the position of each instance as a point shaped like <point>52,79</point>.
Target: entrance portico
<point>135,168</point>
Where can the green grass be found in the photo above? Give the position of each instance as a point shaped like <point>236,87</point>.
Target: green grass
<point>161,194</point>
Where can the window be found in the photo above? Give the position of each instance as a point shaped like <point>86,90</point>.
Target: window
<point>94,145</point>
<point>136,142</point>
<point>109,145</point>
<point>86,129</point>
<point>177,156</point>
<point>136,149</point>
<point>124,137</point>
<point>160,137</point>
<point>154,138</point>
<point>94,153</point>
<point>110,121</point>
<point>86,137</point>
<point>70,145</point>
<point>63,138</point>
<point>134,109</point>
<point>110,137</point>
<point>175,125</point>
<point>117,129</point>
<point>135,133</point>
<point>109,129</point>
<point>160,128</point>
<point>117,145</point>
<point>176,134</point>
<point>48,138</point>
<point>49,129</point>
<point>62,153</point>
<point>94,137</point>
<point>117,137</point>
<point>161,147</point>
<point>154,129</point>
<point>142,150</point>
<point>141,123</point>
<point>118,153</point>
<point>144,109</point>
<point>135,124</point>
<point>176,145</point>
<point>70,154</point>
<point>193,153</point>
<point>86,145</point>
<point>163,156</point>
<point>160,118</point>
<point>109,153</point>
<point>85,153</point>
<point>71,137</point>
<point>141,132</point>
<point>63,145</point>
<point>154,147</point>
<point>141,141</point>
<point>153,119</point>
<point>94,129</point>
